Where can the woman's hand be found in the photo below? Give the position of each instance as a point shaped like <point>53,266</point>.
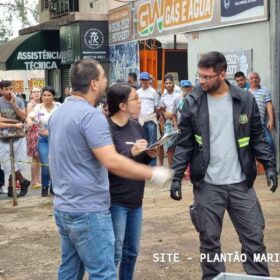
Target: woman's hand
<point>153,152</point>
<point>139,147</point>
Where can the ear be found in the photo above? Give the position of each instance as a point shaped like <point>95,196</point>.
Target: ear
<point>122,106</point>
<point>223,75</point>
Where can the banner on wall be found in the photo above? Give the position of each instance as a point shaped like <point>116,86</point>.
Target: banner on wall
<point>157,18</point>
<point>124,58</point>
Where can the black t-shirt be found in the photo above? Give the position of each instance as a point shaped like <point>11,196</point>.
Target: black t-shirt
<point>126,192</point>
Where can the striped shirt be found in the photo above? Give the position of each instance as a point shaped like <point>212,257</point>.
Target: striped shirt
<point>262,96</point>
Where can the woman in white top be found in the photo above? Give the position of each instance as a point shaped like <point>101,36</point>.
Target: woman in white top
<point>33,136</point>
<point>40,115</point>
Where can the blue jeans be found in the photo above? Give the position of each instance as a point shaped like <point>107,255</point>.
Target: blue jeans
<point>43,151</point>
<point>150,134</point>
<point>127,223</point>
<point>268,138</point>
<point>87,243</point>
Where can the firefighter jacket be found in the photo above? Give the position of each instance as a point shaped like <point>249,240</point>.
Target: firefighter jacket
<point>193,142</point>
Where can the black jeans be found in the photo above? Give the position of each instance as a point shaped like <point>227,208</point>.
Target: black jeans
<point>207,213</point>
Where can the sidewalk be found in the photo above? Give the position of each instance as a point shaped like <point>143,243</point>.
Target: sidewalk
<point>29,243</point>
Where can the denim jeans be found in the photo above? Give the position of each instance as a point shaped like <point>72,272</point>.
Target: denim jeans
<point>43,150</point>
<point>87,243</point>
<point>127,223</point>
<point>268,138</point>
<point>150,134</point>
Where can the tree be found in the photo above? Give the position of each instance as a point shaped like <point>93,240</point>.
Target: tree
<point>24,12</point>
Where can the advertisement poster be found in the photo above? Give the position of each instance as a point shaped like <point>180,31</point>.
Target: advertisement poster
<point>124,58</point>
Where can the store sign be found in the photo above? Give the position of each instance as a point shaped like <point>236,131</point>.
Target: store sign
<point>18,86</point>
<point>36,83</point>
<point>69,43</point>
<point>120,25</point>
<point>94,40</point>
<point>157,18</point>
<point>40,51</point>
<point>39,60</point>
<point>160,16</point>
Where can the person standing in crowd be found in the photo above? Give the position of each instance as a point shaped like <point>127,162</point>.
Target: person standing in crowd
<point>12,110</point>
<point>241,80</point>
<point>127,194</point>
<point>32,138</point>
<point>132,80</point>
<point>81,151</point>
<point>221,135</point>
<point>40,116</point>
<point>149,104</point>
<point>167,107</point>
<point>263,98</point>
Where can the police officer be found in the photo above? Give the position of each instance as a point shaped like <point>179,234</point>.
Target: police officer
<point>221,136</point>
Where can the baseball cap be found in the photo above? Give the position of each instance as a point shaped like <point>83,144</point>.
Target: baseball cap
<point>185,83</point>
<point>144,76</point>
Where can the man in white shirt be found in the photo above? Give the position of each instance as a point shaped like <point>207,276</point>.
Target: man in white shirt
<point>149,103</point>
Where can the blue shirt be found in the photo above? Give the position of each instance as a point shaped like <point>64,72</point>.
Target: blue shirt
<point>80,181</point>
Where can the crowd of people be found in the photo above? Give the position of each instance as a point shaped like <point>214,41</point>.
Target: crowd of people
<point>99,160</point>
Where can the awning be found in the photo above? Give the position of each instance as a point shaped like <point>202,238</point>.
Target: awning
<point>167,41</point>
<point>34,51</point>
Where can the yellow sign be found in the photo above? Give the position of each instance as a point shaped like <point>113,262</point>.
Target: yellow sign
<point>165,15</point>
<point>36,83</point>
<point>18,86</point>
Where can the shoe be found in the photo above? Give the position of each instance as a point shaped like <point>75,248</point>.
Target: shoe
<point>45,192</point>
<point>51,190</point>
<point>24,187</point>
<point>36,186</point>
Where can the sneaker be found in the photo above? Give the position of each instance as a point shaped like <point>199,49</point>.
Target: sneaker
<point>24,187</point>
<point>45,192</point>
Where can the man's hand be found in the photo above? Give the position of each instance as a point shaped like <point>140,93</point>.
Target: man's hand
<point>175,190</point>
<point>272,180</point>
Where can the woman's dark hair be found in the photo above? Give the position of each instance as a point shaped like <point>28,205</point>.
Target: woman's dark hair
<point>50,89</point>
<point>117,94</point>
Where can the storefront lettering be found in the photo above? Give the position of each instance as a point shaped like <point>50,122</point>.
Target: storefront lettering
<point>45,55</point>
<point>39,60</point>
<point>37,65</point>
<point>168,14</point>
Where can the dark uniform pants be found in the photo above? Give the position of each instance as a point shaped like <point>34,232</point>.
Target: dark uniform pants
<point>207,213</point>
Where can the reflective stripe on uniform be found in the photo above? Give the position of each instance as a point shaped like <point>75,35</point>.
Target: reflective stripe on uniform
<point>198,139</point>
<point>243,142</point>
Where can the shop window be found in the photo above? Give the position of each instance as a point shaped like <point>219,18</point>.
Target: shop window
<point>45,4</point>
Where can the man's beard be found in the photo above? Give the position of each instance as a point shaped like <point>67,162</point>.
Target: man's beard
<point>214,87</point>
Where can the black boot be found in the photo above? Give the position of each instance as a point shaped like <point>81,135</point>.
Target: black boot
<point>51,189</point>
<point>10,191</point>
<point>45,191</point>
<point>24,187</point>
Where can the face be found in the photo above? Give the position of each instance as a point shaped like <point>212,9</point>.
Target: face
<point>209,80</point>
<point>7,92</point>
<point>145,83</point>
<point>36,93</point>
<point>133,103</point>
<point>186,90</point>
<point>254,80</point>
<point>47,97</point>
<point>240,81</point>
<point>101,84</point>
<point>169,85</point>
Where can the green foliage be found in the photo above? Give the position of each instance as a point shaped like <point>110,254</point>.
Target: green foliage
<point>25,11</point>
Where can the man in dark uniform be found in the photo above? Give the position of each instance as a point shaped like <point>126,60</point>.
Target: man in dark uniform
<point>221,136</point>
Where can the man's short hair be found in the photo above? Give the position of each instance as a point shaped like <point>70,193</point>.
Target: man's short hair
<point>82,73</point>
<point>133,76</point>
<point>168,76</point>
<point>5,83</point>
<point>215,60</point>
<point>239,74</point>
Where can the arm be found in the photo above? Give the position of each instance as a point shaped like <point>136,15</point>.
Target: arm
<point>5,120</point>
<point>21,113</point>
<point>8,125</point>
<point>269,108</point>
<point>121,165</point>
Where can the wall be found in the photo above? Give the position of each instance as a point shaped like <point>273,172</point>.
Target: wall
<point>247,36</point>
<point>94,6</point>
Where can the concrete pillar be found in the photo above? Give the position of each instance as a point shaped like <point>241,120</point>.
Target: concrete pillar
<point>275,70</point>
